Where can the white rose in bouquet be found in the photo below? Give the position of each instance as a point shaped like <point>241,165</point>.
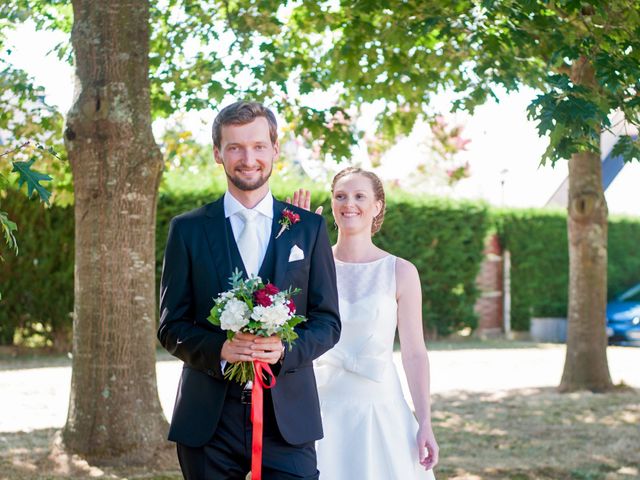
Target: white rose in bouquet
<point>272,317</point>
<point>235,315</point>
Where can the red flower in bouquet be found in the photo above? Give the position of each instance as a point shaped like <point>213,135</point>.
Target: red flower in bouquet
<point>292,306</point>
<point>263,295</point>
<point>262,298</point>
<point>288,218</point>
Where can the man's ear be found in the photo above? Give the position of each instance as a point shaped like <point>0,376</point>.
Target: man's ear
<point>216,155</point>
<point>276,150</point>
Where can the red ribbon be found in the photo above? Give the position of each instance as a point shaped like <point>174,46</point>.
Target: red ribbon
<point>260,369</point>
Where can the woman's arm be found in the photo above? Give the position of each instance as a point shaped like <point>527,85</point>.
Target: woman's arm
<point>414,356</point>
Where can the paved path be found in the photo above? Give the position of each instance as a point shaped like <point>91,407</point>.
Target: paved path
<point>34,398</point>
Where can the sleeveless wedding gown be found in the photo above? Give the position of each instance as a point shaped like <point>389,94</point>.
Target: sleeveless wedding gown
<point>369,430</point>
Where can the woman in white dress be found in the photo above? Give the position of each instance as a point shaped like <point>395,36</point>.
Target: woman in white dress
<point>369,430</point>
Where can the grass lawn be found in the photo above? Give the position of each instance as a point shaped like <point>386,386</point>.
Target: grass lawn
<point>517,435</point>
<point>539,434</point>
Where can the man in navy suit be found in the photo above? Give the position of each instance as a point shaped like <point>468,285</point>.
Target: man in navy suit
<point>211,418</point>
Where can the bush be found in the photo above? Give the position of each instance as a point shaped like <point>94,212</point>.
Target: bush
<point>443,239</point>
<point>537,240</point>
<point>37,284</point>
<point>624,262</point>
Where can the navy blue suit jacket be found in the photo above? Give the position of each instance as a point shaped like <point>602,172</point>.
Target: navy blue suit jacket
<point>197,267</point>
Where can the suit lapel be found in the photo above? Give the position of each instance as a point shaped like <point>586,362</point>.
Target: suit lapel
<point>215,229</point>
<point>282,243</point>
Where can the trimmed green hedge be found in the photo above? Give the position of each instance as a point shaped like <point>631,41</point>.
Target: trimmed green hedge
<point>443,239</point>
<point>37,285</point>
<point>624,261</point>
<point>537,240</point>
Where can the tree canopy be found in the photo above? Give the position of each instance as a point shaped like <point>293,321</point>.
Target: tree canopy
<point>405,52</point>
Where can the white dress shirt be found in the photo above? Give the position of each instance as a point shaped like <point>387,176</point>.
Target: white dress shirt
<point>264,220</point>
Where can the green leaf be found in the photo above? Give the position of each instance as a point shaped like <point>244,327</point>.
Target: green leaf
<point>628,147</point>
<point>32,178</point>
<point>8,227</point>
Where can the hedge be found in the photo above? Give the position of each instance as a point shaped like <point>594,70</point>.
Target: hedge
<point>444,239</point>
<point>537,240</point>
<point>37,284</point>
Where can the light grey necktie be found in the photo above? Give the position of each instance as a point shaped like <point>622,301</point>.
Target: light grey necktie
<point>249,242</point>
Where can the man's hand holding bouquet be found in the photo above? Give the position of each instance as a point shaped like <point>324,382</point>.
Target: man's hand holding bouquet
<point>258,319</point>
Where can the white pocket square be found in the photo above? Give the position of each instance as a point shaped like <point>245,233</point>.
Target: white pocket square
<point>296,254</point>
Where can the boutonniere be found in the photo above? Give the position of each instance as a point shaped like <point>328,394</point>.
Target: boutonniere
<point>288,218</point>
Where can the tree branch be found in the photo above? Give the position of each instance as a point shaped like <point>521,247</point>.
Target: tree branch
<point>15,149</point>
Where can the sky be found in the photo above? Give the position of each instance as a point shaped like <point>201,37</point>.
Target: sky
<point>504,152</point>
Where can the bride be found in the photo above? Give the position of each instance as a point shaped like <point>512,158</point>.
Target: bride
<point>370,432</point>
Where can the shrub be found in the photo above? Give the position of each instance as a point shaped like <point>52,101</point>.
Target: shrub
<point>37,284</point>
<point>537,240</point>
<point>443,239</point>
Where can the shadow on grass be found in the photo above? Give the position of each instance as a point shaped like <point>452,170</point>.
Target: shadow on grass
<point>521,434</point>
<point>29,456</point>
<point>538,434</point>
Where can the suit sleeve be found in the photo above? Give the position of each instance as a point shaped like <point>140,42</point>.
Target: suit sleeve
<point>178,332</point>
<point>321,331</point>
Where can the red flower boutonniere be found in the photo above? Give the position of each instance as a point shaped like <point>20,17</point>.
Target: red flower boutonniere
<point>288,218</point>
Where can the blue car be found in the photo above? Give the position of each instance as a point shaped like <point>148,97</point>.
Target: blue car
<point>623,318</point>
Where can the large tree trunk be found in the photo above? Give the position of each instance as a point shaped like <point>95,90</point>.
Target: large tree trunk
<point>586,365</point>
<point>114,411</point>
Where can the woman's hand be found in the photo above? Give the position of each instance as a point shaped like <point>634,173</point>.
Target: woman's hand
<point>302,199</point>
<point>427,447</point>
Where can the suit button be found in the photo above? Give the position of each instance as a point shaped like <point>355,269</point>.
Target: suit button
<point>210,373</point>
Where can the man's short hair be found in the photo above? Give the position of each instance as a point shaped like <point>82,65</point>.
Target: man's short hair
<point>241,113</point>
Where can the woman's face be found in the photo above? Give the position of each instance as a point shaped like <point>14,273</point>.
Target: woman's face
<point>354,204</point>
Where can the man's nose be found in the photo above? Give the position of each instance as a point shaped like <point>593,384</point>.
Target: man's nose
<point>248,156</point>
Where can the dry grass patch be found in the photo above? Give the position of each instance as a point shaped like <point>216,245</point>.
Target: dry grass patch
<point>539,434</point>
<point>36,456</point>
<point>533,434</point>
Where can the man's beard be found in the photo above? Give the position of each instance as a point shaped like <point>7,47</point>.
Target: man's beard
<point>248,186</point>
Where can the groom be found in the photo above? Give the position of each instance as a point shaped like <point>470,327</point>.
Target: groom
<point>211,418</point>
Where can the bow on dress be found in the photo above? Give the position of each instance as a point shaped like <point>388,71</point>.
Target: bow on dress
<point>369,361</point>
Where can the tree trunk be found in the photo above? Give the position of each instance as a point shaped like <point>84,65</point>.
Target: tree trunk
<point>586,365</point>
<point>114,411</point>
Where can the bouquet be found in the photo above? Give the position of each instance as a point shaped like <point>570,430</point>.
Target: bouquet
<point>251,306</point>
